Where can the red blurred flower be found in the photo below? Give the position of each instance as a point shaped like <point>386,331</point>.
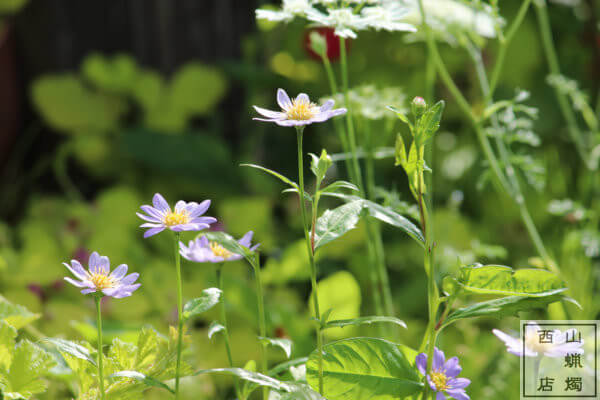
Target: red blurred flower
<point>333,43</point>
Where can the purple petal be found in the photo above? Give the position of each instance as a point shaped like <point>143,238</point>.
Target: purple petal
<point>204,220</point>
<point>104,265</point>
<point>76,269</point>
<point>328,105</point>
<point>153,231</point>
<point>200,209</point>
<point>129,279</point>
<point>189,227</point>
<point>180,206</point>
<point>440,396</point>
<point>458,394</point>
<point>153,212</point>
<point>256,246</point>
<point>160,203</point>
<point>293,122</point>
<point>246,240</point>
<point>451,367</point>
<point>459,383</point>
<point>88,291</point>
<point>148,218</point>
<point>93,261</point>
<point>283,99</point>
<point>269,114</point>
<point>302,98</point>
<point>438,359</point>
<point>75,283</point>
<point>421,362</point>
<point>266,119</point>
<point>119,272</point>
<point>151,225</point>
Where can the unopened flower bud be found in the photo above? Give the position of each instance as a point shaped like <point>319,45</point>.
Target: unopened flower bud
<point>418,106</point>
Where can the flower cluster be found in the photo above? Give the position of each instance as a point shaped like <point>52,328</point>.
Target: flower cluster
<point>99,279</point>
<point>354,16</point>
<point>370,102</point>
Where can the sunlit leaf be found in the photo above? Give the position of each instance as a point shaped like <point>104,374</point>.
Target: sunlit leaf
<point>147,380</point>
<point>340,323</point>
<point>283,344</point>
<point>335,223</point>
<point>214,328</point>
<point>74,349</point>
<point>209,298</point>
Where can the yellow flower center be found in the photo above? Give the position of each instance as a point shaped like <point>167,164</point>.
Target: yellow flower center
<point>302,110</point>
<point>102,281</point>
<point>440,381</point>
<point>219,251</point>
<point>176,218</point>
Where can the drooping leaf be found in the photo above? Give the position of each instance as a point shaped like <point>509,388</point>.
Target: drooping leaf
<point>214,328</point>
<point>340,323</point>
<point>275,174</point>
<point>504,281</point>
<point>363,369</point>
<point>504,307</point>
<point>74,349</point>
<point>147,380</point>
<point>283,344</point>
<point>209,298</point>
<point>335,223</point>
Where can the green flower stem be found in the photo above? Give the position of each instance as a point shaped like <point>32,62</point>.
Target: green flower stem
<point>98,299</point>
<point>311,256</point>
<point>376,252</point>
<point>179,313</point>
<point>219,272</point>
<point>554,67</point>
<point>502,184</point>
<point>262,322</point>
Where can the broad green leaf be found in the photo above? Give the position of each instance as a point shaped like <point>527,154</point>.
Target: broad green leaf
<point>16,315</point>
<point>215,327</point>
<point>339,185</point>
<point>228,243</point>
<point>283,344</point>
<point>7,344</point>
<point>501,280</point>
<point>147,380</point>
<point>340,323</point>
<point>255,377</point>
<point>275,174</point>
<point>339,292</point>
<point>335,223</point>
<point>24,377</point>
<point>74,349</point>
<point>115,74</point>
<point>210,297</point>
<point>504,307</point>
<point>363,369</point>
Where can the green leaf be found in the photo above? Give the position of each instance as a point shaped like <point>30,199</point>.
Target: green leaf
<point>74,349</point>
<point>335,223</point>
<point>191,80</point>
<point>16,315</point>
<point>339,185</point>
<point>24,377</point>
<point>278,369</point>
<point>215,327</point>
<point>275,174</point>
<point>401,116</point>
<point>228,243</point>
<point>503,281</point>
<point>210,298</point>
<point>292,266</point>
<point>114,74</point>
<point>283,344</point>
<point>8,335</point>
<point>429,123</point>
<point>363,369</point>
<point>147,380</point>
<point>340,323</point>
<point>255,377</point>
<point>400,151</point>
<point>504,307</point>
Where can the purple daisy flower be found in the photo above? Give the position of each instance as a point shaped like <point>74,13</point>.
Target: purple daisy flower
<point>185,216</point>
<point>98,278</point>
<point>299,111</point>
<point>443,377</point>
<point>203,250</point>
<point>558,348</point>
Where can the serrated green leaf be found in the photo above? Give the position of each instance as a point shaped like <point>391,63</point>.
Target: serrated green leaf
<point>503,281</point>
<point>214,328</point>
<point>74,349</point>
<point>275,174</point>
<point>147,380</point>
<point>340,323</point>
<point>363,369</point>
<point>15,315</point>
<point>209,298</point>
<point>24,377</point>
<point>503,307</point>
<point>283,344</point>
<point>335,223</point>
<point>429,123</point>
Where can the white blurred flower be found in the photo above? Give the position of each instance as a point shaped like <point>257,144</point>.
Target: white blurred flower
<point>344,20</point>
<point>370,102</point>
<point>389,16</point>
<point>289,10</point>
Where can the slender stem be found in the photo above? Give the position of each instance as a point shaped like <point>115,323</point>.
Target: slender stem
<point>311,256</point>
<point>98,299</point>
<point>219,272</point>
<point>554,67</point>
<point>262,322</point>
<point>179,313</point>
